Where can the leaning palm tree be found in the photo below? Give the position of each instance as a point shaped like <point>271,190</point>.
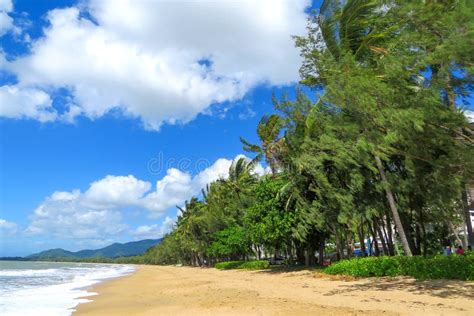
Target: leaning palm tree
<point>241,174</point>
<point>189,227</point>
<point>241,178</point>
<point>268,131</point>
<point>241,170</point>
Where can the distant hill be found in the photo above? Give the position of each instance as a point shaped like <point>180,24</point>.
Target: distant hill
<point>115,250</point>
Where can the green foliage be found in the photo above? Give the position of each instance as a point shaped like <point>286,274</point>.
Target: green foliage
<point>384,145</point>
<point>232,241</point>
<point>439,267</point>
<point>247,265</point>
<point>268,130</point>
<point>267,221</point>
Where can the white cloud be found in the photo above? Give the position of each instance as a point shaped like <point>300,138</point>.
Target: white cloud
<point>162,61</point>
<point>260,170</point>
<point>6,22</point>
<point>219,170</point>
<point>469,115</point>
<point>6,5</point>
<point>113,191</point>
<point>63,215</point>
<point>172,190</point>
<point>94,213</point>
<point>16,102</point>
<point>154,231</point>
<point>178,186</point>
<point>7,228</point>
<point>97,213</point>
<point>247,114</point>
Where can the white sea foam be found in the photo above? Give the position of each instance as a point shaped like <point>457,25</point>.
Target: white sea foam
<point>47,290</point>
<point>27,273</point>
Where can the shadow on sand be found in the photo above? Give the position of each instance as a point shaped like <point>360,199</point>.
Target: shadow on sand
<point>288,269</point>
<point>438,288</point>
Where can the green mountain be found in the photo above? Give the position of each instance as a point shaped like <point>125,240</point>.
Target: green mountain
<point>115,250</point>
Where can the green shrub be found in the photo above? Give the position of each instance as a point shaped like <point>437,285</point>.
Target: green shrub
<point>255,265</point>
<point>440,267</point>
<point>226,265</point>
<point>248,265</point>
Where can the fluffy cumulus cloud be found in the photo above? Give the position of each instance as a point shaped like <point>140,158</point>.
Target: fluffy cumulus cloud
<point>155,230</point>
<point>6,22</point>
<point>7,228</point>
<point>29,102</point>
<point>66,215</point>
<point>178,186</point>
<point>159,61</point>
<point>113,192</point>
<point>99,210</point>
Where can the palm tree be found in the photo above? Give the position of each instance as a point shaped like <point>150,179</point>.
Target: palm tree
<point>241,170</point>
<point>189,225</point>
<point>268,131</point>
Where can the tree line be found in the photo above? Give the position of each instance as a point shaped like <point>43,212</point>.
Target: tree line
<point>378,149</point>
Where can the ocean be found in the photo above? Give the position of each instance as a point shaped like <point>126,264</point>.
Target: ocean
<point>50,288</point>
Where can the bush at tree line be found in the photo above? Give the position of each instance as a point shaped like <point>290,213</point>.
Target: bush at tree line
<point>247,265</point>
<point>439,267</point>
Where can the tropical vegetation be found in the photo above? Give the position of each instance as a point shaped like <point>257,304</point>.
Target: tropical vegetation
<point>247,265</point>
<point>440,267</point>
<point>374,146</point>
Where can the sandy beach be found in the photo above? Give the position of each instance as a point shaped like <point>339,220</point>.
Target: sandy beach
<point>158,290</point>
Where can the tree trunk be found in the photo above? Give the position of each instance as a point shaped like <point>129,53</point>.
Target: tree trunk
<point>306,257</point>
<point>388,236</point>
<point>467,217</point>
<point>277,251</point>
<point>289,251</point>
<point>312,258</point>
<point>417,247</point>
<point>393,208</point>
<point>362,241</point>
<point>321,251</point>
<point>450,95</point>
<point>350,247</point>
<point>375,243</point>
<point>300,257</point>
<point>424,241</point>
<point>339,251</point>
<point>199,263</point>
<point>382,238</point>
<point>455,233</point>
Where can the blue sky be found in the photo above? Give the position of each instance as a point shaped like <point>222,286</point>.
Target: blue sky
<point>112,114</point>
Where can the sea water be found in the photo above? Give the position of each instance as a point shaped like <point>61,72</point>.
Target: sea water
<point>50,288</point>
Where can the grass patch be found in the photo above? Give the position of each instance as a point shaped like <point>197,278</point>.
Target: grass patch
<point>439,267</point>
<point>247,265</point>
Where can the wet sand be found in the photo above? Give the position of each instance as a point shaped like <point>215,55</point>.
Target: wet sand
<point>167,290</point>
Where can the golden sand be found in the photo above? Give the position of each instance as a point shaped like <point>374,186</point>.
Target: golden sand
<point>158,290</point>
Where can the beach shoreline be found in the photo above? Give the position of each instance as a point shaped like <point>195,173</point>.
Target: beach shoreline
<point>163,290</point>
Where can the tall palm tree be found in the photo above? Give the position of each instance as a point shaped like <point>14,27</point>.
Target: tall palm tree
<point>189,225</point>
<point>268,131</point>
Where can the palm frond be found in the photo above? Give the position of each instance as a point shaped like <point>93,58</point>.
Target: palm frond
<point>250,147</point>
